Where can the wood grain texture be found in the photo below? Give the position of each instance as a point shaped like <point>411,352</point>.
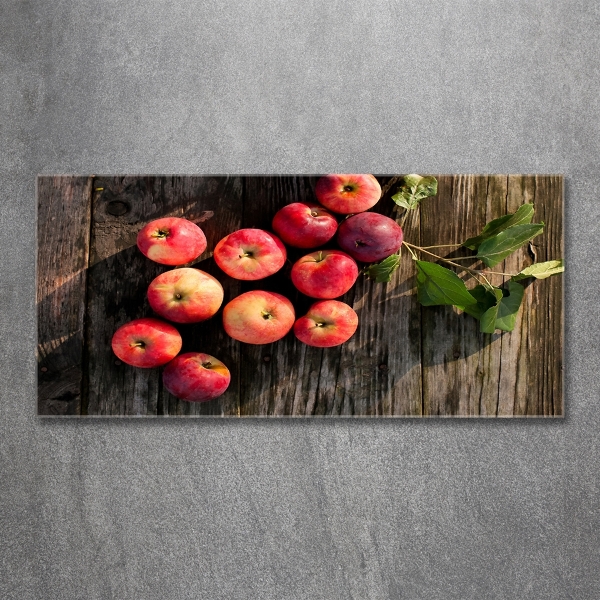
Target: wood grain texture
<point>379,368</point>
<point>63,229</point>
<point>467,373</point>
<point>404,360</point>
<point>460,364</point>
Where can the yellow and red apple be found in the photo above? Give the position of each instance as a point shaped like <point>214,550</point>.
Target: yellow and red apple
<point>325,274</point>
<point>258,317</point>
<point>369,237</point>
<point>250,254</point>
<point>146,343</point>
<point>347,194</point>
<point>185,295</point>
<point>171,241</point>
<point>327,323</point>
<point>304,224</point>
<point>196,377</point>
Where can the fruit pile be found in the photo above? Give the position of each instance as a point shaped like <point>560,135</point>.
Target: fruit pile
<point>189,295</point>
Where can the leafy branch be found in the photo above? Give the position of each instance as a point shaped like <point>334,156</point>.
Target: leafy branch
<point>496,307</point>
<point>414,190</point>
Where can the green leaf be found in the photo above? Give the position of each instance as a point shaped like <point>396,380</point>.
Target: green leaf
<point>382,271</point>
<point>541,270</point>
<point>405,199</point>
<point>415,189</point>
<point>485,300</point>
<point>412,180</point>
<point>503,315</point>
<point>497,248</point>
<point>523,216</point>
<point>437,285</point>
<point>427,186</point>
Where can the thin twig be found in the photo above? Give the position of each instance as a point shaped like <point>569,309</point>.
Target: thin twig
<point>440,258</point>
<point>443,246</point>
<point>409,249</point>
<point>497,273</point>
<point>463,258</point>
<point>472,271</point>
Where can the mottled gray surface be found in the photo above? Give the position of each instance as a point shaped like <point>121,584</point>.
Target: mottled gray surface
<point>297,509</point>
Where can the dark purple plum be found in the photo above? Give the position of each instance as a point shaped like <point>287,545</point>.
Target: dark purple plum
<point>369,237</point>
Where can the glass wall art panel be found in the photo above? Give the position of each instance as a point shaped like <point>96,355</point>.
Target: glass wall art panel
<point>300,296</point>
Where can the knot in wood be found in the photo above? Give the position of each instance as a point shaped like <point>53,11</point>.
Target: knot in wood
<point>117,208</point>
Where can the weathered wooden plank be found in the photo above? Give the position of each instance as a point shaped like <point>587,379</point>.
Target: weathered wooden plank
<point>460,365</point>
<point>224,197</point>
<point>63,230</point>
<point>515,351</point>
<point>516,373</point>
<point>119,277</point>
<point>378,371</point>
<point>545,373</point>
<point>491,344</point>
<point>279,378</point>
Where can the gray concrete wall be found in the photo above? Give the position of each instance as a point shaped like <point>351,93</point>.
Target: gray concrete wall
<point>297,509</point>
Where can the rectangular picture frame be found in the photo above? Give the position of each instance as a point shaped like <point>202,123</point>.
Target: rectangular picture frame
<point>404,360</point>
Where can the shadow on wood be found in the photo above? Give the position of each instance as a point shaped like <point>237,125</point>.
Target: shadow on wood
<point>404,360</point>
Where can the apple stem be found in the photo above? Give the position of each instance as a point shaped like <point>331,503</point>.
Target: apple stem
<point>139,345</point>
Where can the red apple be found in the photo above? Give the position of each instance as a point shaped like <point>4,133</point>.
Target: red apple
<point>196,377</point>
<point>347,194</point>
<point>369,237</point>
<point>146,343</point>
<point>258,317</point>
<point>325,273</point>
<point>250,254</point>
<point>171,241</point>
<point>327,323</point>
<point>304,224</point>
<point>185,295</point>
